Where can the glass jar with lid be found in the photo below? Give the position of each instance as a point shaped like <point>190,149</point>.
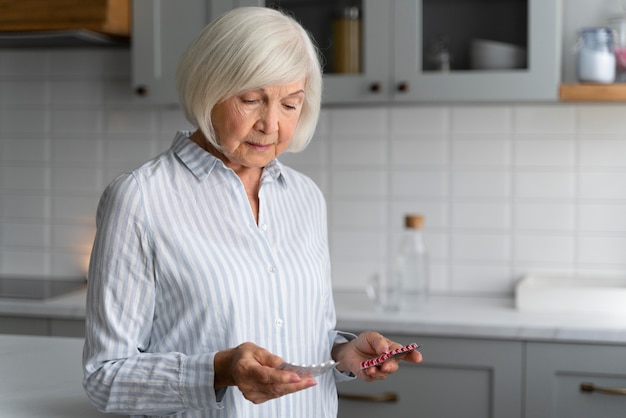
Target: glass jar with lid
<point>595,55</point>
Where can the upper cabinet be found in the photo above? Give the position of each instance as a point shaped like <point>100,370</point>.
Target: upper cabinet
<point>383,51</point>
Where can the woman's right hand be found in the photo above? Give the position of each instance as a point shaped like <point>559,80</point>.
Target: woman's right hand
<point>254,371</point>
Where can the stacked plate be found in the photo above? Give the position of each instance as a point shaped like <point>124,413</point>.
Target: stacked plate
<point>493,55</point>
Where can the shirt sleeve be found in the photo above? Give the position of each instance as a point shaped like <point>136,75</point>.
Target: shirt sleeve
<point>119,374</point>
<point>341,338</point>
<point>335,336</point>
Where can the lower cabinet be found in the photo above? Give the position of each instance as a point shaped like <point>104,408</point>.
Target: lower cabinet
<point>56,327</point>
<point>490,378</point>
<point>575,381</point>
<point>467,378</point>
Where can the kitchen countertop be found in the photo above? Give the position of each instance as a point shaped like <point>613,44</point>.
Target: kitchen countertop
<point>67,306</point>
<point>42,377</point>
<point>479,317</point>
<point>446,316</point>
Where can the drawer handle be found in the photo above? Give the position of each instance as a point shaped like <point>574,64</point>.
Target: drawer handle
<point>590,387</point>
<point>383,397</point>
<point>376,87</point>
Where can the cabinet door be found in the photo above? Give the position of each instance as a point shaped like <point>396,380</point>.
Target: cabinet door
<point>458,378</point>
<point>162,29</point>
<point>424,27</point>
<point>555,373</point>
<point>368,80</point>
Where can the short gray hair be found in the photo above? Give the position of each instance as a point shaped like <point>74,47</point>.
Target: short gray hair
<point>244,49</point>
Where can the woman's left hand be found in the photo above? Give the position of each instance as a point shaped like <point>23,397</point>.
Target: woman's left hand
<point>366,346</point>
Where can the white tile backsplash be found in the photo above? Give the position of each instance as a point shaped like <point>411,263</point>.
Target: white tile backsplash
<point>482,119</point>
<point>506,189</point>
<point>421,151</point>
<point>478,151</point>
<point>544,120</point>
<point>603,185</point>
<point>536,151</point>
<point>603,152</point>
<point>487,215</point>
<point>421,120</point>
<point>544,216</point>
<point>545,184</point>
<point>426,184</point>
<point>602,217</point>
<point>481,184</point>
<point>559,248</point>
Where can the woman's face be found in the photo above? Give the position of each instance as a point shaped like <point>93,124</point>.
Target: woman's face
<point>256,126</point>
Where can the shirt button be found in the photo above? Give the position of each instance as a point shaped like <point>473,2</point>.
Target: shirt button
<point>272,269</point>
<point>279,323</point>
<point>264,227</point>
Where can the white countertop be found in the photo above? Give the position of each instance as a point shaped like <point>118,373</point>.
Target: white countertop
<point>68,306</point>
<point>451,316</point>
<point>478,318</point>
<point>42,377</point>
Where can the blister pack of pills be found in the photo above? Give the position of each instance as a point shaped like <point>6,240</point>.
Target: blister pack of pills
<point>308,369</point>
<point>377,361</point>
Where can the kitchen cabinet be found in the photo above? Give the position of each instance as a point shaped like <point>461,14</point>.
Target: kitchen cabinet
<point>56,327</point>
<point>531,24</point>
<point>42,377</point>
<point>556,373</point>
<point>64,23</point>
<point>395,47</point>
<point>491,377</point>
<point>459,377</point>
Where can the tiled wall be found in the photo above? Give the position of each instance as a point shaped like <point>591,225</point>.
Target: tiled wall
<point>507,189</point>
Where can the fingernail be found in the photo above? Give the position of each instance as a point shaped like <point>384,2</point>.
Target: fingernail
<point>295,379</point>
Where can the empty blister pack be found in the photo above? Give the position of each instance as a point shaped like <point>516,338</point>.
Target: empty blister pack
<point>308,369</point>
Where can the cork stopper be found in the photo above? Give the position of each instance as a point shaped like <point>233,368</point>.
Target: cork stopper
<point>414,221</point>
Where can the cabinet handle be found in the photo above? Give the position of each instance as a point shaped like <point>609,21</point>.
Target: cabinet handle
<point>383,397</point>
<point>376,87</point>
<point>590,387</point>
<point>403,87</point>
<point>141,91</point>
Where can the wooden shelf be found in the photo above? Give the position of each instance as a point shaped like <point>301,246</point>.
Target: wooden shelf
<point>593,92</point>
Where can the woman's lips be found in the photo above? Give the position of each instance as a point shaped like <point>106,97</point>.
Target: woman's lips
<point>259,147</point>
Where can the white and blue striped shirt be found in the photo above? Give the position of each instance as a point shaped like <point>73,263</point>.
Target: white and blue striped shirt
<point>180,270</point>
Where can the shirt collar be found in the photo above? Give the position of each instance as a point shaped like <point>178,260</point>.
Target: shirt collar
<point>201,163</point>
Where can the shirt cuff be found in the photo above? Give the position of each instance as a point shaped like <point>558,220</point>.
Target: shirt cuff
<point>196,383</point>
<point>342,338</point>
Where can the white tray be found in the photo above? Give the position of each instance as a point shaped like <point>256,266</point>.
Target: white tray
<point>595,295</point>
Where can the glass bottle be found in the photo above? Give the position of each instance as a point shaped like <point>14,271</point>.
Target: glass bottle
<point>412,264</point>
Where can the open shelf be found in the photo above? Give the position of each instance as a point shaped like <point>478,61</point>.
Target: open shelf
<point>593,92</point>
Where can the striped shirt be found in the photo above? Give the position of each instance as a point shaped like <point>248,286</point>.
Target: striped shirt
<point>180,269</point>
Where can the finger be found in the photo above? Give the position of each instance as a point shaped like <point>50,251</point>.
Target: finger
<point>413,357</point>
<point>379,343</point>
<point>265,393</point>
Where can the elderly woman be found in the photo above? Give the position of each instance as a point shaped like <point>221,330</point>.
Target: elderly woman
<point>210,265</point>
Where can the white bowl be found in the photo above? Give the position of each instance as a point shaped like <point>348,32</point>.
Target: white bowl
<point>493,55</point>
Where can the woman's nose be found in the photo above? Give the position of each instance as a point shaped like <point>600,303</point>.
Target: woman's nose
<point>268,120</point>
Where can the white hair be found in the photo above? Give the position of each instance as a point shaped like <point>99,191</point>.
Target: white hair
<point>244,49</point>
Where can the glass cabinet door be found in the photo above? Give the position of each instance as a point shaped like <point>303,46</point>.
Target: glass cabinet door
<point>354,39</point>
<point>476,50</point>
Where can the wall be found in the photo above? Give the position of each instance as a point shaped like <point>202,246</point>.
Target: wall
<point>506,189</point>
